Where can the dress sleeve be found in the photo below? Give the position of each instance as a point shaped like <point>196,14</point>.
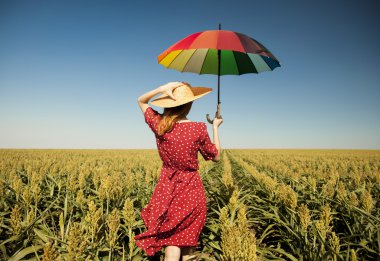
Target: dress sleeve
<point>206,147</point>
<point>152,118</point>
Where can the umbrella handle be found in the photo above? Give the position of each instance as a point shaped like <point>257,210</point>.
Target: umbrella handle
<point>217,115</point>
<point>208,119</point>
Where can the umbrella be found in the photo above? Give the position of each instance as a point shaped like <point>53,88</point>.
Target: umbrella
<point>218,52</point>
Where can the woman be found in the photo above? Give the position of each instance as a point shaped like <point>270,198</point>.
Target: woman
<point>176,213</point>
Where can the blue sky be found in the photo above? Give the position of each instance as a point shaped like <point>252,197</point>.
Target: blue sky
<point>71,72</point>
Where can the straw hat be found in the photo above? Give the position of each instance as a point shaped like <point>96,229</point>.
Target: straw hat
<point>183,94</point>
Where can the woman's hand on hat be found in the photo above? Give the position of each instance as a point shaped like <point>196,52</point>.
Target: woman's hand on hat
<point>169,87</point>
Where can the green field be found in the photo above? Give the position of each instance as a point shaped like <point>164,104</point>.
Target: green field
<point>262,204</point>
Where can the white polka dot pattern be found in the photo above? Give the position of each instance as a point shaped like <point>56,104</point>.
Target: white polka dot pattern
<point>176,212</point>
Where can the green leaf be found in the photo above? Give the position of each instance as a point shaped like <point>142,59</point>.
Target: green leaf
<point>26,251</point>
<point>266,232</point>
<point>41,235</point>
<point>10,240</point>
<point>4,250</point>
<point>214,245</point>
<point>137,258</point>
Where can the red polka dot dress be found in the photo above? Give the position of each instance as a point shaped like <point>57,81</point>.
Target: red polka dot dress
<point>176,212</point>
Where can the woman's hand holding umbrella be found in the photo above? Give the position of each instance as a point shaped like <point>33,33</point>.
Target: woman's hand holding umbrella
<point>216,122</point>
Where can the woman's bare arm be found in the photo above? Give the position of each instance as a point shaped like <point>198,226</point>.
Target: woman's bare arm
<point>215,126</point>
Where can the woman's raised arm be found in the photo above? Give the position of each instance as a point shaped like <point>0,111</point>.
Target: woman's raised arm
<point>167,88</point>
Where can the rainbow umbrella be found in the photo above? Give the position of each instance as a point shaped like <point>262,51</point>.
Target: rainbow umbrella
<point>218,52</point>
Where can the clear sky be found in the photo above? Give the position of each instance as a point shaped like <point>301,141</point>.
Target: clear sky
<point>71,72</point>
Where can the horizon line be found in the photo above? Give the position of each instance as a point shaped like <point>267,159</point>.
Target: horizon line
<point>252,148</point>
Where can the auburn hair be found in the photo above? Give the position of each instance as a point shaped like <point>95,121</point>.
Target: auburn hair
<point>171,115</point>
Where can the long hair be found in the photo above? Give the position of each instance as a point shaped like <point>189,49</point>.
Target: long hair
<point>171,115</point>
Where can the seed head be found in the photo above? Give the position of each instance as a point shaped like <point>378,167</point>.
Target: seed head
<point>304,216</point>
<point>366,201</point>
<point>16,220</point>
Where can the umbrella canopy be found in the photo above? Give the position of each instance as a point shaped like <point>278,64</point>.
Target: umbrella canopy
<point>219,52</point>
<point>198,53</point>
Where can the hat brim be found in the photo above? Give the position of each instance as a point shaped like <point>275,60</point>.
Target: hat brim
<point>165,101</point>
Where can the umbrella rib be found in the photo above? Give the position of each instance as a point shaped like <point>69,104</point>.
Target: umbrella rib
<point>174,58</point>
<point>203,63</point>
<point>237,64</point>
<point>191,56</point>
<point>249,60</point>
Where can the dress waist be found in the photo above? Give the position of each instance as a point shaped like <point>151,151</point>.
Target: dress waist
<point>174,170</point>
<point>179,168</point>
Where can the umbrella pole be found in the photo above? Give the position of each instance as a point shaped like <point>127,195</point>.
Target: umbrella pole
<point>217,114</point>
